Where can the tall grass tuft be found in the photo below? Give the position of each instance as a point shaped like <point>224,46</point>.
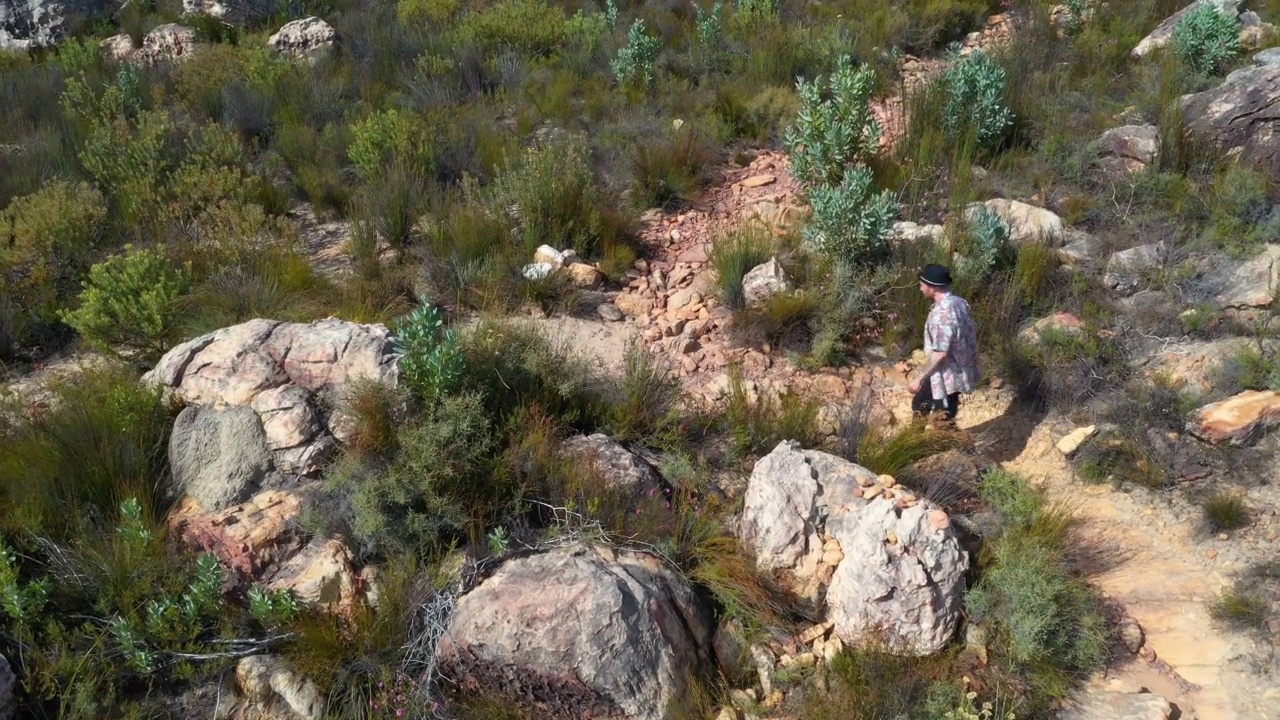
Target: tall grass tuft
<point>102,440</point>
<point>732,257</point>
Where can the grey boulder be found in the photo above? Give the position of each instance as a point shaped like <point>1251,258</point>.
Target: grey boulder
<point>218,457</point>
<point>581,631</point>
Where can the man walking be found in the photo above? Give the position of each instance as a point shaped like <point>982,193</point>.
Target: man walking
<point>952,365</point>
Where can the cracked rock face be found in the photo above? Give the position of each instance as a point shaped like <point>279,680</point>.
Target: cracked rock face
<point>286,373</point>
<point>582,631</point>
<point>1241,116</point>
<point>29,24</point>
<point>887,565</point>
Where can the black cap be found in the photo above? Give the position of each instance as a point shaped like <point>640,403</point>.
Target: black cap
<point>935,275</point>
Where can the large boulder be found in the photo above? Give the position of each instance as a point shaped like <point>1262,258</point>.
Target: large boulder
<point>1240,420</point>
<point>580,631</point>
<point>1127,270</point>
<point>234,12</point>
<point>1191,365</point>
<point>260,541</point>
<point>887,564</point>
<point>1240,116</point>
<point>614,464</point>
<point>168,43</point>
<point>30,24</point>
<point>1128,149</point>
<point>1026,223</point>
<point>218,457</point>
<point>288,373</point>
<point>1164,31</point>
<point>310,39</point>
<point>1252,283</point>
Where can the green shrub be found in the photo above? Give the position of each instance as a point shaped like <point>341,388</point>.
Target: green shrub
<point>51,234</point>
<point>757,424</point>
<point>131,301</point>
<point>1224,511</point>
<point>1241,608</point>
<point>1206,39</point>
<point>988,248</point>
<point>21,600</point>
<point>515,366</point>
<point>872,682</point>
<point>645,402</point>
<point>851,221</point>
<point>1239,204</point>
<point>439,488</point>
<point>830,143</point>
<point>389,207</point>
<point>833,133</point>
<point>387,136</point>
<point>784,321</point>
<point>889,453</point>
<point>530,27</point>
<point>554,198</point>
<point>669,172</point>
<point>436,12</point>
<point>431,365</point>
<point>103,440</point>
<point>732,257</point>
<point>710,25</point>
<point>753,12</point>
<point>976,91</point>
<point>1249,368</point>
<point>633,67</point>
<point>1045,619</point>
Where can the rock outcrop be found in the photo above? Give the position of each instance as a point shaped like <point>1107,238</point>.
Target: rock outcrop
<point>614,464</point>
<point>1249,284</point>
<point>1129,149</point>
<point>1127,270</point>
<point>30,24</point>
<point>580,631</point>
<point>1026,223</point>
<point>1239,420</point>
<point>1117,706</point>
<point>1241,116</point>
<point>169,43</point>
<point>287,373</point>
<point>1163,33</point>
<point>888,565</point>
<point>218,457</point>
<point>274,690</point>
<point>310,39</point>
<point>260,541</point>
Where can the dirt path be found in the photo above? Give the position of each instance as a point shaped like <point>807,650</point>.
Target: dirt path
<point>1151,561</point>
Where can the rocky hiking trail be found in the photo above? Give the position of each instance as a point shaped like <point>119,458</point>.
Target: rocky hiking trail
<point>1146,554</point>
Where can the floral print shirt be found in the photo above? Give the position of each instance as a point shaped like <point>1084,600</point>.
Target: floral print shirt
<point>950,329</point>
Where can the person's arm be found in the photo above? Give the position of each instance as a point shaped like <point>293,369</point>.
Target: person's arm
<point>941,335</point>
<point>935,361</point>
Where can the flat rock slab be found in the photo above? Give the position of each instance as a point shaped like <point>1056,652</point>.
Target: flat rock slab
<point>1240,116</point>
<point>1118,706</point>
<point>1251,284</point>
<point>1240,420</point>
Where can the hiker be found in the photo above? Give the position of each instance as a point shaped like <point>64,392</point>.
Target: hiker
<point>952,365</point>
